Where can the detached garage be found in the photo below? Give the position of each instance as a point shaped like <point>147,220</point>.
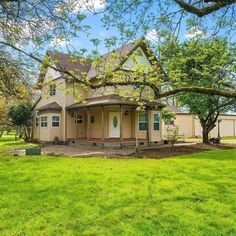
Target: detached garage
<point>190,126</point>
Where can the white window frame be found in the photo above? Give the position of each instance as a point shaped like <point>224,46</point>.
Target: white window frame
<point>76,119</point>
<point>52,90</point>
<point>156,113</point>
<point>43,121</point>
<point>141,130</point>
<point>56,121</point>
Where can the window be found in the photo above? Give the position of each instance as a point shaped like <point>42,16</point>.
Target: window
<point>171,122</point>
<point>142,121</point>
<point>52,90</point>
<point>37,121</point>
<point>55,121</point>
<point>156,122</point>
<point>78,119</point>
<point>44,121</point>
<point>92,119</point>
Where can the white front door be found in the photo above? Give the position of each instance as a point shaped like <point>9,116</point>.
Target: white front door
<point>114,124</point>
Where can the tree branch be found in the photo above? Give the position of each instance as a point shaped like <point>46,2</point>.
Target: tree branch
<point>205,10</point>
<point>201,90</point>
<point>154,87</point>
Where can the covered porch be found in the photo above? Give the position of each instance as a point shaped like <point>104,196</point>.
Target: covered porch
<point>110,121</point>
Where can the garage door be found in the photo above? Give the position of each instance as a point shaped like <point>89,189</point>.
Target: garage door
<point>227,128</point>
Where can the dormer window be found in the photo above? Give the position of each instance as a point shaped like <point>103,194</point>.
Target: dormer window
<point>139,53</point>
<point>52,90</point>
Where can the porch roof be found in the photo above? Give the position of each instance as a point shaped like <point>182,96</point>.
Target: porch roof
<point>113,100</point>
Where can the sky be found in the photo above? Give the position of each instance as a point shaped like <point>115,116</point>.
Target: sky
<point>98,31</point>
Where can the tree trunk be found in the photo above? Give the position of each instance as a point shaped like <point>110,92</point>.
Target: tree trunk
<point>1,133</point>
<point>205,135</point>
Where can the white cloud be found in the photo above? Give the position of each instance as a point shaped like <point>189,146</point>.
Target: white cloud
<point>195,32</point>
<point>88,5</point>
<point>58,42</point>
<point>153,36</point>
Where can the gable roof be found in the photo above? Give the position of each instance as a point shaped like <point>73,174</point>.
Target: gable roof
<point>79,65</point>
<point>115,59</point>
<point>119,56</point>
<point>51,107</point>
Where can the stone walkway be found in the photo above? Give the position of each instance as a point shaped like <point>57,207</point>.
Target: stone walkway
<point>160,151</point>
<point>78,151</point>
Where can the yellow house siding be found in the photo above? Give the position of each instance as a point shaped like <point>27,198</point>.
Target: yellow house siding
<point>155,135</point>
<point>78,91</point>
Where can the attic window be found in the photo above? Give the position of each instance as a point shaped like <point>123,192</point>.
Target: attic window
<point>139,53</point>
<point>52,90</point>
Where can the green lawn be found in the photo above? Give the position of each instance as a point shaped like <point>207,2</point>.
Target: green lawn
<point>224,140</point>
<point>8,143</point>
<point>193,195</point>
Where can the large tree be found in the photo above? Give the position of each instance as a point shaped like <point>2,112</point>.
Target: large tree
<point>207,63</point>
<point>168,18</point>
<point>14,76</point>
<point>36,23</point>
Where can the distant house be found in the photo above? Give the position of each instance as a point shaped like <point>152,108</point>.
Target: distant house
<point>102,116</point>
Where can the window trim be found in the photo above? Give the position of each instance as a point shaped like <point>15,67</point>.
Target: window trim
<point>156,113</point>
<point>82,119</point>
<point>146,122</point>
<point>55,121</point>
<point>52,90</point>
<point>43,122</point>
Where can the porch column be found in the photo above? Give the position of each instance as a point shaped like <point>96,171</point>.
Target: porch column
<point>121,123</point>
<point>148,127</point>
<point>39,127</point>
<point>88,124</point>
<point>103,131</point>
<point>76,124</point>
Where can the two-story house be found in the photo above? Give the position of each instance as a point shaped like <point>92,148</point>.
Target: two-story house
<point>101,115</point>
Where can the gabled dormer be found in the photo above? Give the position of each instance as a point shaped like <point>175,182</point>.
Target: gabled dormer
<point>56,85</point>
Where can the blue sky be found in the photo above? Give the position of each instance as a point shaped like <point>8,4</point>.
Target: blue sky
<point>99,31</point>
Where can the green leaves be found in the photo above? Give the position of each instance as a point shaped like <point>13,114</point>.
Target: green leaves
<point>20,115</point>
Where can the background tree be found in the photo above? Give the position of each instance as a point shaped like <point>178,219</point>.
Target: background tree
<point>206,63</point>
<point>4,121</point>
<point>15,78</point>
<point>21,116</point>
<point>168,115</point>
<point>15,85</point>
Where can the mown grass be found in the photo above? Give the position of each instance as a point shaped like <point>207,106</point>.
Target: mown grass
<point>229,138</point>
<point>191,195</point>
<point>8,142</point>
<point>224,140</point>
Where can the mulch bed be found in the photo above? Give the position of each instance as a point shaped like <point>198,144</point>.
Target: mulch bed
<point>166,152</point>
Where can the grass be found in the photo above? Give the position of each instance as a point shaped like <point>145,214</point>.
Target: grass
<point>224,140</point>
<point>8,143</point>
<point>191,195</point>
<point>229,138</point>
